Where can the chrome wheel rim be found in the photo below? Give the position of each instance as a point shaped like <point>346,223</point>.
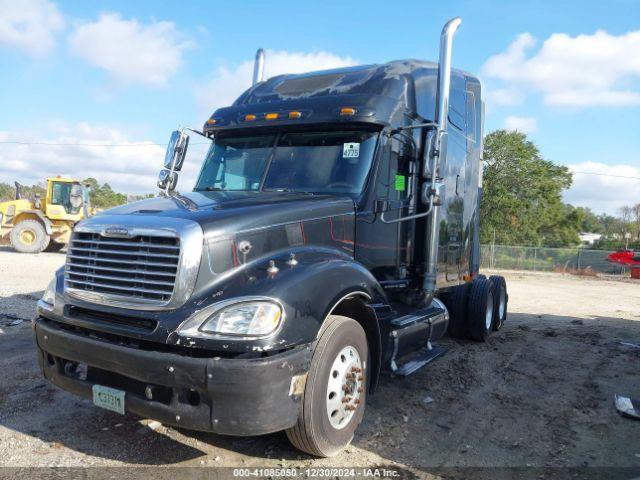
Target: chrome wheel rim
<point>489,313</point>
<point>344,387</point>
<point>502,306</point>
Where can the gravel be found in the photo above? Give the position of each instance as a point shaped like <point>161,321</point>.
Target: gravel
<point>539,393</point>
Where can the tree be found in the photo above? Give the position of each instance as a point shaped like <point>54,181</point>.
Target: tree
<point>522,195</point>
<point>7,192</point>
<point>103,196</point>
<point>590,222</point>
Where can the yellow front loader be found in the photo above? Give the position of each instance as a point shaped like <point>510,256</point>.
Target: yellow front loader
<point>33,226</point>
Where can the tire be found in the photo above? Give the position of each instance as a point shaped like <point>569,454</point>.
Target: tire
<point>29,236</point>
<point>481,309</point>
<point>501,299</point>
<point>314,432</point>
<point>54,247</point>
<point>457,303</point>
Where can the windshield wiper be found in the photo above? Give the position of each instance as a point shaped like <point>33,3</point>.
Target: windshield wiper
<point>209,189</point>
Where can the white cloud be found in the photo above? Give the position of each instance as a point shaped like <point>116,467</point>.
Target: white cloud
<point>131,167</point>
<point>521,124</point>
<point>604,193</point>
<point>132,52</point>
<point>29,25</point>
<point>229,82</point>
<point>586,70</point>
<point>504,97</point>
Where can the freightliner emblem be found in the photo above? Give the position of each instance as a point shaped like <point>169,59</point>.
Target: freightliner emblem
<point>116,232</point>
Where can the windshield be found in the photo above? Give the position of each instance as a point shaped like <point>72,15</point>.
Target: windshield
<point>315,162</point>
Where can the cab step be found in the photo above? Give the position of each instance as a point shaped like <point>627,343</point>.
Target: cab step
<point>422,358</point>
<point>412,336</point>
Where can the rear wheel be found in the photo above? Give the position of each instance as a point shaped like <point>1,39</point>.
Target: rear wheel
<point>334,398</point>
<point>481,304</point>
<point>456,302</point>
<point>501,298</point>
<point>29,236</point>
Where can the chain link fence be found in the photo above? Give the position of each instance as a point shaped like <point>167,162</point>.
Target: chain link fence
<point>570,260</point>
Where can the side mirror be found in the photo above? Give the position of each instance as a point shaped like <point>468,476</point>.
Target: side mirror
<point>176,151</point>
<point>429,145</point>
<point>435,139</point>
<point>167,180</point>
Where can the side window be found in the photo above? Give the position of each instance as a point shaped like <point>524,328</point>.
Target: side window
<point>56,194</point>
<point>471,116</point>
<point>392,181</point>
<point>457,102</point>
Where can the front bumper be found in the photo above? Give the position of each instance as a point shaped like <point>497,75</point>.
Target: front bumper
<point>231,396</point>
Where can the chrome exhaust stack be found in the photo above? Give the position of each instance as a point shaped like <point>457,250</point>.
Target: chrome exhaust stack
<point>444,71</point>
<point>438,151</point>
<point>258,67</point>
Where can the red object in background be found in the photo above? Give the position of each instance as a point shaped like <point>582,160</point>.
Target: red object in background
<point>627,258</point>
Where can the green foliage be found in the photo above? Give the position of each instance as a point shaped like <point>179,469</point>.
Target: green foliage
<point>522,197</point>
<point>29,192</point>
<point>7,192</point>
<point>590,221</point>
<point>103,196</point>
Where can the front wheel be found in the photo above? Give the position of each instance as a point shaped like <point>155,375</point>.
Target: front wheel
<point>335,393</point>
<point>29,236</point>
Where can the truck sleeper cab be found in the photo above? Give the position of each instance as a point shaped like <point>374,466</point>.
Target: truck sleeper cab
<point>332,234</point>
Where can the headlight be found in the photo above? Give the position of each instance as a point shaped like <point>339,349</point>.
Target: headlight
<point>50,293</point>
<point>250,318</point>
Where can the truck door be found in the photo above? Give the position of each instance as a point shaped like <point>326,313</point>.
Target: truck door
<point>386,249</point>
<point>473,165</point>
<point>454,174</point>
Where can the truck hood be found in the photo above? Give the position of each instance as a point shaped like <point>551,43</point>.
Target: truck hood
<point>227,213</point>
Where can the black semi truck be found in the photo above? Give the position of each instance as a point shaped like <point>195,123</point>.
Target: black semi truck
<point>332,236</point>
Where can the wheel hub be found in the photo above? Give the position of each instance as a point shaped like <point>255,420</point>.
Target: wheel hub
<point>503,303</point>
<point>489,313</point>
<point>345,387</point>
<point>27,237</point>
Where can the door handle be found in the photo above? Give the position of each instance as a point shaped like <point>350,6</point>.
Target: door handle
<point>457,181</point>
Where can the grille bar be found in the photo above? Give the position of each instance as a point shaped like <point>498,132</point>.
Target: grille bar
<point>89,275</point>
<point>130,253</point>
<point>116,287</point>
<point>143,267</point>
<point>129,244</point>
<point>90,267</point>
<point>120,260</point>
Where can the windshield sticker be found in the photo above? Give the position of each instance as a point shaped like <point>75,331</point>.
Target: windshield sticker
<point>350,150</point>
<point>400,183</point>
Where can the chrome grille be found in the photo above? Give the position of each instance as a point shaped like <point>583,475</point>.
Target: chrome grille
<point>142,267</point>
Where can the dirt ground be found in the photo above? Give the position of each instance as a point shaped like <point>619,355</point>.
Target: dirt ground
<point>539,393</point>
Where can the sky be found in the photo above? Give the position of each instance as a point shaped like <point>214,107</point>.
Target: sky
<point>118,77</point>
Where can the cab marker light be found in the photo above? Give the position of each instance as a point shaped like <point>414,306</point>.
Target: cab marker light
<point>250,117</point>
<point>295,115</point>
<point>271,116</point>
<point>347,111</point>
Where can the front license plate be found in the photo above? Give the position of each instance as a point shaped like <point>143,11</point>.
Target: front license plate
<point>109,398</point>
